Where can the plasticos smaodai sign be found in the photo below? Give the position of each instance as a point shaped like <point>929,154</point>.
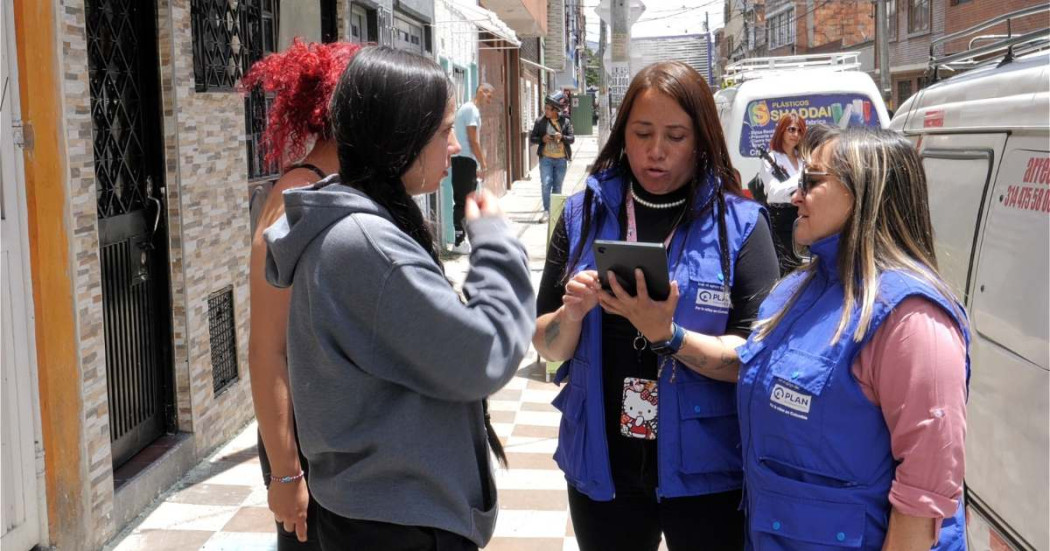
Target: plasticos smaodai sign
<point>840,110</point>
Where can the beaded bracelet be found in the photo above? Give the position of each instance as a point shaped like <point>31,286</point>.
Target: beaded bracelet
<point>287,479</point>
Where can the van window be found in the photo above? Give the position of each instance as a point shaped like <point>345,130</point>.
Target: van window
<point>1011,296</point>
<point>955,181</point>
<point>762,116</point>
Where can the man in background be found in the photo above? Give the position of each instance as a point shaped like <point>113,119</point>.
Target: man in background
<point>469,164</point>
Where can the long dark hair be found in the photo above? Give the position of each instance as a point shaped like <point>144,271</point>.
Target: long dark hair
<point>386,108</point>
<point>685,85</point>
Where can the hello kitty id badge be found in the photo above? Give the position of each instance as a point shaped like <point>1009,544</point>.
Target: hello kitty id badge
<point>638,408</point>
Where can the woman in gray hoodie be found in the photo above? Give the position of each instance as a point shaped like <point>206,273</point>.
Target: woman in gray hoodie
<point>390,416</point>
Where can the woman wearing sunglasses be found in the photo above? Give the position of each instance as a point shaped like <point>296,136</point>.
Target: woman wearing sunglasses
<point>852,390</point>
<point>784,152</point>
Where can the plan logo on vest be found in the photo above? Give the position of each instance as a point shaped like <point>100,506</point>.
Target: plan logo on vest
<point>712,298</point>
<point>790,401</point>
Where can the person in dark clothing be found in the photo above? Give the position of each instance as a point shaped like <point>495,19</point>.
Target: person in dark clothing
<point>552,134</point>
<point>302,79</point>
<point>649,440</point>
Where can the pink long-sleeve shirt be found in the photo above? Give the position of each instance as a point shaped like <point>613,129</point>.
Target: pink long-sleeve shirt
<point>914,370</point>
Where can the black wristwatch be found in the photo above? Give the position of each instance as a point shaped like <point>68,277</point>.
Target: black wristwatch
<point>670,346</point>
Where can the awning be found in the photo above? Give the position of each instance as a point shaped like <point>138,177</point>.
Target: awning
<point>537,66</point>
<point>483,19</point>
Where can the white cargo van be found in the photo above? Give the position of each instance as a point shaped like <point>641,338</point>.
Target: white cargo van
<point>827,88</point>
<point>984,137</point>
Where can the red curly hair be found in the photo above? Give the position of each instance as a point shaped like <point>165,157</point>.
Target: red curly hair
<point>302,79</point>
<point>777,143</point>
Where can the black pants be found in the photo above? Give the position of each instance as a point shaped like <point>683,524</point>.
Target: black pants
<point>464,182</point>
<point>782,223</point>
<point>343,534</point>
<point>287,541</point>
<point>634,523</point>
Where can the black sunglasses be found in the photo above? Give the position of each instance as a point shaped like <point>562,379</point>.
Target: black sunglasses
<point>808,179</point>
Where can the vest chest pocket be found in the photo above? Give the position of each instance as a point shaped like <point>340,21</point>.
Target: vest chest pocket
<point>796,381</point>
<point>781,522</point>
<point>707,292</point>
<point>571,451</point>
<point>708,427</point>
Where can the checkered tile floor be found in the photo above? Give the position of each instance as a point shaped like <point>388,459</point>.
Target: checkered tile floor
<point>221,504</point>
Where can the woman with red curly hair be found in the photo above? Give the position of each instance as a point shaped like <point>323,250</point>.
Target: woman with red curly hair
<point>301,79</point>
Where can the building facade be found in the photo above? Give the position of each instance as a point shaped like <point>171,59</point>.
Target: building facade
<point>915,24</point>
<point>692,49</point>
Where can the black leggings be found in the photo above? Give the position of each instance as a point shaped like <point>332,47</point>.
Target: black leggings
<point>634,523</point>
<point>340,533</point>
<point>287,541</point>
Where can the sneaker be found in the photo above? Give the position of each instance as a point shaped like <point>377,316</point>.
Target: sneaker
<point>462,248</point>
<point>546,216</point>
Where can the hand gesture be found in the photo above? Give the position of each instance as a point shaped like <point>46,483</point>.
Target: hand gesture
<point>481,203</point>
<point>581,294</point>
<point>289,502</point>
<point>650,317</point>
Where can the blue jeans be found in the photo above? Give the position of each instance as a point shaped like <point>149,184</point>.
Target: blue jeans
<point>552,172</point>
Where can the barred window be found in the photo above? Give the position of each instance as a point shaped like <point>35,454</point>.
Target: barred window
<point>222,333</point>
<point>228,36</point>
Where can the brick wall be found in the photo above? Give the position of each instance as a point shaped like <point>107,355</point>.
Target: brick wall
<point>914,48</point>
<point>210,238</point>
<point>554,45</point>
<point>965,15</point>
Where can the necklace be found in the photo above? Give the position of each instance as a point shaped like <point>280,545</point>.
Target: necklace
<point>648,204</point>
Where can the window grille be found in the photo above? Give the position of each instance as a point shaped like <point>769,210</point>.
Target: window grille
<point>256,107</point>
<point>228,36</point>
<point>222,332</point>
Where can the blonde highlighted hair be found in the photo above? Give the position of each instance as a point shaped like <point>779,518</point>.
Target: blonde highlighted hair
<point>888,230</point>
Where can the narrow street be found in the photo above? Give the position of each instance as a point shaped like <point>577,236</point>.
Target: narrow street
<point>221,503</point>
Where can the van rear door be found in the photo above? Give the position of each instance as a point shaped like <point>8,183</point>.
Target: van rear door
<point>1008,436</point>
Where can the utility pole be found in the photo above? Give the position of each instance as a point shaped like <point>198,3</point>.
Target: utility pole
<point>603,84</point>
<point>882,39</point>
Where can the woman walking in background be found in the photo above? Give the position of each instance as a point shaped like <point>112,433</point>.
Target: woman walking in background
<point>302,80</point>
<point>391,419</point>
<point>553,134</point>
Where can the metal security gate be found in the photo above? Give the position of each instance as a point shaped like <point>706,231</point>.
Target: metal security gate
<point>126,117</point>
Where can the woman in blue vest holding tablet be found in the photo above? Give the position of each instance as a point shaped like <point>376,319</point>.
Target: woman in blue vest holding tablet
<point>649,439</point>
<point>852,391</point>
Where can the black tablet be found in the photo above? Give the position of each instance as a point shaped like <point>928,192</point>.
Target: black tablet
<point>622,257</point>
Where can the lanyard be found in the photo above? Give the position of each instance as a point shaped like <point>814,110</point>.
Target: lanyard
<point>632,223</point>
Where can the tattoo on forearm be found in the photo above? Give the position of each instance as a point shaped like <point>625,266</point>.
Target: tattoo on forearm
<point>553,330</point>
<point>729,359</point>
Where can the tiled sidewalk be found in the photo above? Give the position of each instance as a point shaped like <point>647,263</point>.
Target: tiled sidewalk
<point>221,504</point>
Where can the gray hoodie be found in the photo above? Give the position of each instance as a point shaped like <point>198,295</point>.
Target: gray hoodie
<point>388,366</point>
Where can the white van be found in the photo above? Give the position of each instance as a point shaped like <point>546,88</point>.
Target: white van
<point>827,88</point>
<point>984,138</point>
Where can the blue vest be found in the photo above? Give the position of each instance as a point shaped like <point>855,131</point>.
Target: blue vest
<point>698,447</point>
<point>817,458</point>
